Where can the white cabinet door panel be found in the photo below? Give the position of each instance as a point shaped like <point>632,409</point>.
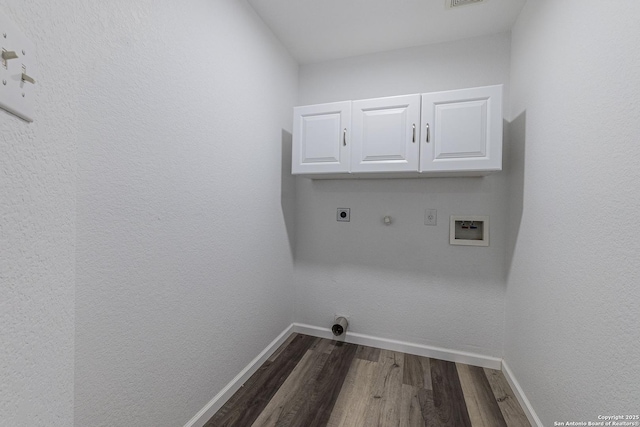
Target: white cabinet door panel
<point>386,134</point>
<point>464,130</point>
<point>321,138</point>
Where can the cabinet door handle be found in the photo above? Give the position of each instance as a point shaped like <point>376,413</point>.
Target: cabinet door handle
<point>344,137</point>
<point>413,139</point>
<point>427,133</point>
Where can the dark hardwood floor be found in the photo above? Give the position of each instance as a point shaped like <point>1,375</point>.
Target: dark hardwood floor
<point>315,382</point>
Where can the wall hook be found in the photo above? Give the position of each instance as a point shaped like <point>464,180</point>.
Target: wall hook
<point>9,54</point>
<point>26,78</point>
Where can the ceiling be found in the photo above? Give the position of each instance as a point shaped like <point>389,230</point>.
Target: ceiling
<point>321,30</point>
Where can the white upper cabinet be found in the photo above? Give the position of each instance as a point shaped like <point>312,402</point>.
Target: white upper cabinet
<point>452,133</point>
<point>385,134</point>
<point>462,130</point>
<point>321,138</point>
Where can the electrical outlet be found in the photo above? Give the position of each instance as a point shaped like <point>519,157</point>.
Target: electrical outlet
<point>344,215</point>
<point>430,217</point>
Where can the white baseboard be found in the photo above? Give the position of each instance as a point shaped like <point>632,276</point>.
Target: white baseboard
<point>474,359</point>
<point>405,347</point>
<point>225,394</point>
<point>522,398</point>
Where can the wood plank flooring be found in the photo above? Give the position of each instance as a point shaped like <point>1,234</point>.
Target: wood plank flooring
<point>315,382</point>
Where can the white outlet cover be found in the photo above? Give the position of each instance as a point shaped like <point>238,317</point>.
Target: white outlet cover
<point>430,217</point>
<point>16,95</point>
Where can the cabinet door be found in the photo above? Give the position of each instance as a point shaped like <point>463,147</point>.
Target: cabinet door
<point>386,134</point>
<point>321,138</point>
<point>462,130</point>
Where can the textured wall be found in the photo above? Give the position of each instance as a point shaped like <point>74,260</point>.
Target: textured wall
<point>404,281</point>
<point>37,229</point>
<point>183,258</point>
<point>573,326</point>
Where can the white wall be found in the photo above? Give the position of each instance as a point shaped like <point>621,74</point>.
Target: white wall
<point>183,259</point>
<point>37,230</point>
<point>573,328</point>
<point>404,281</point>
<point>175,115</point>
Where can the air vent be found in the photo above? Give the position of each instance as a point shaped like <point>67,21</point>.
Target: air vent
<point>458,3</point>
